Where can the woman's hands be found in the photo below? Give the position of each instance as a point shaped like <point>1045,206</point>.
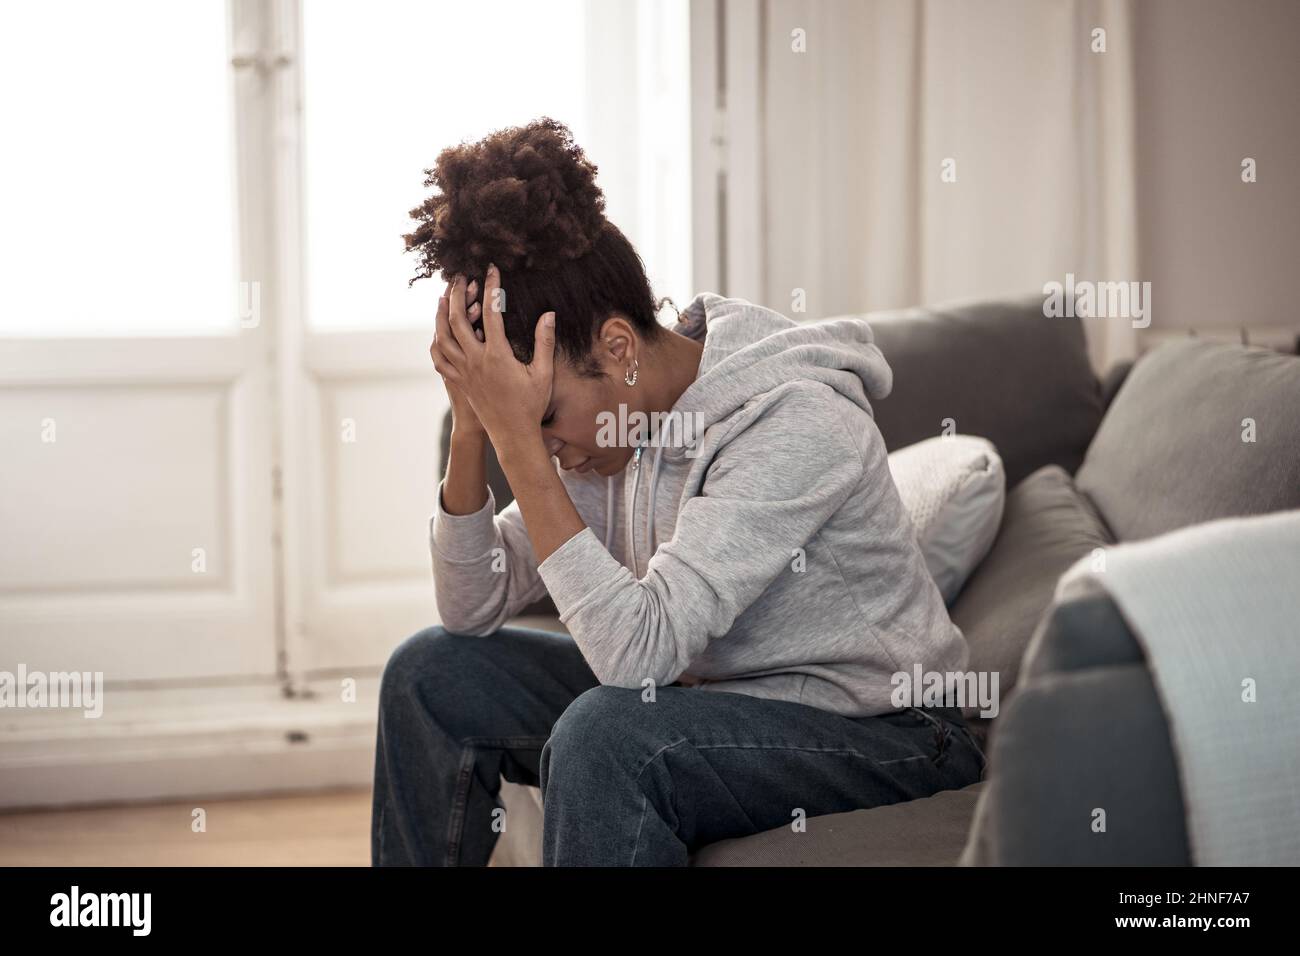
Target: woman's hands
<point>508,399</point>
<point>463,419</point>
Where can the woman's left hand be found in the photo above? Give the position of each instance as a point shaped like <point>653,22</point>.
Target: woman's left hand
<point>509,397</point>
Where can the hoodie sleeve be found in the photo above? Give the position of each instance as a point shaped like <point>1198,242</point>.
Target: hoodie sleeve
<point>769,489</point>
<point>484,566</point>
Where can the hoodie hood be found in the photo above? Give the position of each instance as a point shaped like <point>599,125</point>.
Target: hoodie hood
<point>750,350</point>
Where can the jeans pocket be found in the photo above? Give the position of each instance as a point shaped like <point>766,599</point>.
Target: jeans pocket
<point>957,728</point>
<point>975,746</point>
<point>942,731</point>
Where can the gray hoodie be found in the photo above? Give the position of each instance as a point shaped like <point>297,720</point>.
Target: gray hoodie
<point>764,552</point>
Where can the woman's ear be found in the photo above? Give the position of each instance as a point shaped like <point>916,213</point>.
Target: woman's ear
<point>617,340</point>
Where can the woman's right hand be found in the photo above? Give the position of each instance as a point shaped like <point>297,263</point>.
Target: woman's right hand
<point>464,421</point>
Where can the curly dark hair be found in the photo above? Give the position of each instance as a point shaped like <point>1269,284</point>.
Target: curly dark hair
<point>526,199</point>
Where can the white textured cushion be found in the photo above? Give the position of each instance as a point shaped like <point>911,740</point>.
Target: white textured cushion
<point>953,488</point>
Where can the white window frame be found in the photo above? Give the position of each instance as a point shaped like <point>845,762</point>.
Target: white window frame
<point>295,732</point>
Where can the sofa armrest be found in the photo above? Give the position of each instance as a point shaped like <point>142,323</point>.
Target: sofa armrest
<point>1082,770</point>
<point>1083,630</point>
<point>1082,773</point>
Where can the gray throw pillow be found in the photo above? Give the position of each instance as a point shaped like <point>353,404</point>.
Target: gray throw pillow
<point>1198,431</point>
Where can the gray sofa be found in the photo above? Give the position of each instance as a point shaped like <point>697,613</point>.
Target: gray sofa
<point>1089,463</point>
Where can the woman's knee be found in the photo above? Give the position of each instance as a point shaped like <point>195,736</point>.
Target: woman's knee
<point>602,722</point>
<point>415,655</point>
<point>443,674</point>
<point>423,662</point>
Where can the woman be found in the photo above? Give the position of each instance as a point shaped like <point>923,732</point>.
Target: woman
<point>740,583</point>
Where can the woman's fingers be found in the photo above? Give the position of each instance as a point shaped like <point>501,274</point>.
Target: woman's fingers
<point>460,327</point>
<point>473,312</point>
<point>494,327</point>
<point>444,368</point>
<point>475,309</point>
<point>443,335</point>
<point>445,350</point>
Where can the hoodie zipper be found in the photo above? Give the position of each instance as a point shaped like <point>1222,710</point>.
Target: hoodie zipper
<point>631,518</point>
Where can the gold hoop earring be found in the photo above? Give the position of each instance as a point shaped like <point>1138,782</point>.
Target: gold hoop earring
<point>635,369</point>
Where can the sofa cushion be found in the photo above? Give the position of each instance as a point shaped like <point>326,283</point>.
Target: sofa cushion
<point>953,490</point>
<point>999,369</point>
<point>928,832</point>
<point>1047,526</point>
<point>1170,451</point>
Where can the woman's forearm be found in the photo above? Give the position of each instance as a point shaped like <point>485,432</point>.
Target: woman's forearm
<point>464,490</point>
<point>544,502</point>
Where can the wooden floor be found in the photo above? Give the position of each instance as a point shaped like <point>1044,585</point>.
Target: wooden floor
<point>329,829</point>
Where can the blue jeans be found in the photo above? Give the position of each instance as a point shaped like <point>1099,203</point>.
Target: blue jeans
<point>625,782</point>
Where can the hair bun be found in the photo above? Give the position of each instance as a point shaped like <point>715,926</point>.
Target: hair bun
<point>524,197</point>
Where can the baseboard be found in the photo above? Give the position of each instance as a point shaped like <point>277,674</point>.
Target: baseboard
<point>154,745</point>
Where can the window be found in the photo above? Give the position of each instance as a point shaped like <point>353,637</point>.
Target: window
<point>386,87</point>
<point>158,153</point>
<point>116,179</point>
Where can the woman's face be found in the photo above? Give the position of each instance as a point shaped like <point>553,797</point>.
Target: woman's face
<point>573,417</point>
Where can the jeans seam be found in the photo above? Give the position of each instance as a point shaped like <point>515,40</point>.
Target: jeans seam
<point>822,750</point>
<point>501,742</point>
<point>456,822</point>
<point>636,840</point>
<point>886,763</point>
<point>464,780</point>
